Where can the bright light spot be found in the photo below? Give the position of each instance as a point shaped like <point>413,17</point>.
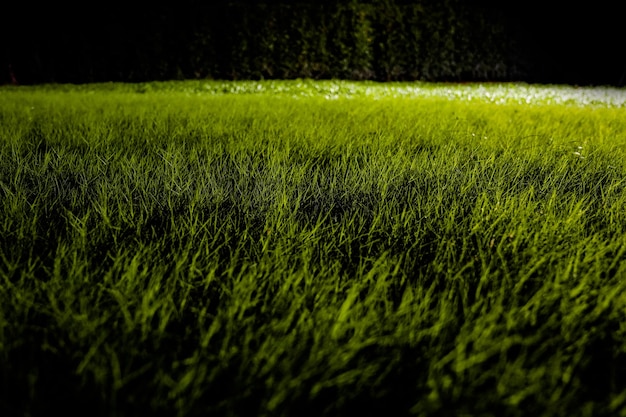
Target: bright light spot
<point>490,93</point>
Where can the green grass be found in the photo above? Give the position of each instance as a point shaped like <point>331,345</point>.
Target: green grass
<point>302,248</point>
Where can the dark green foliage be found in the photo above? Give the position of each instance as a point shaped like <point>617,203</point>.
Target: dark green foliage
<point>382,40</point>
<point>356,39</point>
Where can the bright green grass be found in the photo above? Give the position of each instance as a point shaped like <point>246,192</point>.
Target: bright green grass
<point>302,248</point>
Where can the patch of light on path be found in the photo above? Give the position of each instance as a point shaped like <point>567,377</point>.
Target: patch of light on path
<point>484,92</point>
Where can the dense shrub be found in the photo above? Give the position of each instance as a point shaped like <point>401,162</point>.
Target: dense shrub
<point>350,39</point>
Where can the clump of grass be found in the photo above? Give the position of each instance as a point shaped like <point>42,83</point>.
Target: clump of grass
<point>291,254</point>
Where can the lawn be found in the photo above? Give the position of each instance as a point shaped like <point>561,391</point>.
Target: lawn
<point>301,248</point>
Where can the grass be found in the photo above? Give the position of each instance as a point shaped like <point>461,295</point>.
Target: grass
<point>302,248</point>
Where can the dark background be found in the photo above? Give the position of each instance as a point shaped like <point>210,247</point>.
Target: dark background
<point>433,40</point>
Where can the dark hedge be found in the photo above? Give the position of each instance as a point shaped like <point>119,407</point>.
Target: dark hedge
<point>431,40</point>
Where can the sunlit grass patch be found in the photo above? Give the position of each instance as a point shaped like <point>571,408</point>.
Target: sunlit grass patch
<point>309,248</point>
